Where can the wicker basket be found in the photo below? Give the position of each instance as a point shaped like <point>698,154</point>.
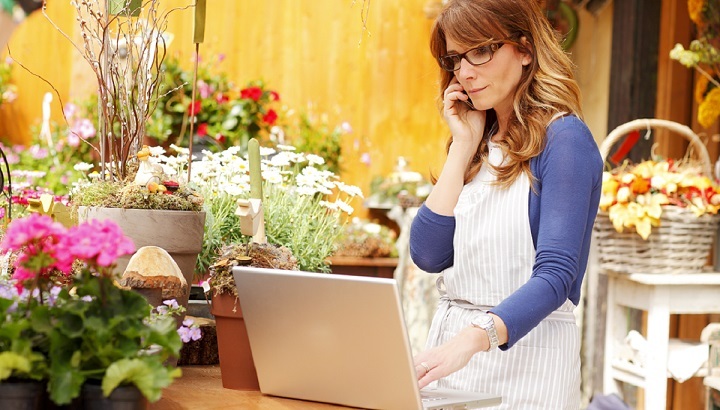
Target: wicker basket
<point>681,243</point>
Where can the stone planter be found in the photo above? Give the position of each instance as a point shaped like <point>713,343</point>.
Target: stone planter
<point>237,368</point>
<point>180,233</point>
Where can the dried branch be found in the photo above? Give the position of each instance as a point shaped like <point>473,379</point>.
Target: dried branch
<point>125,54</point>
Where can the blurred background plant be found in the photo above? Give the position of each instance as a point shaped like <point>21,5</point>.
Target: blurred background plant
<point>8,91</point>
<point>402,187</point>
<point>365,239</point>
<point>226,115</point>
<point>311,132</point>
<point>703,55</point>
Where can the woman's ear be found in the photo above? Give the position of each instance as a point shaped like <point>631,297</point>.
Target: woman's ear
<point>528,52</point>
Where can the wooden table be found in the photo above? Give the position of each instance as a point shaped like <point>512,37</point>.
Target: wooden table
<point>660,295</point>
<point>200,388</point>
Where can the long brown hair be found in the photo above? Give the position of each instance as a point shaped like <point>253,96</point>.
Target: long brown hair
<point>546,87</point>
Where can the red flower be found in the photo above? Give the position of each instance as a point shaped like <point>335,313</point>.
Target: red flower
<point>221,98</point>
<point>270,117</point>
<point>220,138</point>
<point>253,93</point>
<point>202,129</point>
<point>194,108</point>
<point>274,96</point>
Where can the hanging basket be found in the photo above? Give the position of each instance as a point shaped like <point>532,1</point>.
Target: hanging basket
<point>681,243</point>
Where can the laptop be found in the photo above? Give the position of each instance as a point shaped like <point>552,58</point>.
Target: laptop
<point>336,339</point>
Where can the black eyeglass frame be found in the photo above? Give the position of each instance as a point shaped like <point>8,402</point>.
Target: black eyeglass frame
<point>493,46</point>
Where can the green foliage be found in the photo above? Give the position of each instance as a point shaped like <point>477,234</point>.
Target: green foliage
<point>302,224</point>
<point>102,333</point>
<point>222,226</point>
<point>225,114</point>
<point>23,344</point>
<point>118,195</point>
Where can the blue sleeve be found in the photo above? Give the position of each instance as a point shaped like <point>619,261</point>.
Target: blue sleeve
<point>569,173</point>
<point>431,240</point>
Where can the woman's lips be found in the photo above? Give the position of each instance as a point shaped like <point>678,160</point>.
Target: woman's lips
<point>476,90</point>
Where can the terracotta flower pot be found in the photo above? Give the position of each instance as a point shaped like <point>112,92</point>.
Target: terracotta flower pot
<point>237,368</point>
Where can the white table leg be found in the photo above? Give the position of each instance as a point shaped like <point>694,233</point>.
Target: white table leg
<point>658,329</point>
<point>615,325</point>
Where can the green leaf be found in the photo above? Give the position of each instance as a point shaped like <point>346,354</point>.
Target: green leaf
<point>11,362</point>
<point>149,375</point>
<point>65,383</point>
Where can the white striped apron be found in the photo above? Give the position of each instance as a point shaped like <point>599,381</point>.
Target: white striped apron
<point>494,256</point>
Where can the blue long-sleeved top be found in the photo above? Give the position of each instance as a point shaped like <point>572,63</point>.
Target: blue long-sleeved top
<point>562,210</point>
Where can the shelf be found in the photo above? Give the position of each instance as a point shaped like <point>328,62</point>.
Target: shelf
<point>702,278</point>
<point>634,374</point>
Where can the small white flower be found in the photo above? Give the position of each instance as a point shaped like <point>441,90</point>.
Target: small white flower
<point>315,159</point>
<point>280,160</point>
<point>306,190</point>
<point>83,167</point>
<point>344,207</point>
<point>351,190</point>
<point>233,190</point>
<point>266,152</point>
<point>285,147</point>
<point>329,205</point>
<point>156,151</point>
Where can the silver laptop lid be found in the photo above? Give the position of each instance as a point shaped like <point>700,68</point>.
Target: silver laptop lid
<point>329,338</point>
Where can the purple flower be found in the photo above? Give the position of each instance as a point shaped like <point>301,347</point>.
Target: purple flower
<point>204,88</point>
<point>38,153</point>
<point>365,158</point>
<point>70,110</point>
<point>172,303</point>
<point>189,333</point>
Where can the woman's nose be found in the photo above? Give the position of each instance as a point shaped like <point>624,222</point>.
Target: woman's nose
<point>466,70</point>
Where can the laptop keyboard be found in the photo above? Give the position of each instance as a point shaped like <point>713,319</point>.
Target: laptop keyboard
<point>430,396</point>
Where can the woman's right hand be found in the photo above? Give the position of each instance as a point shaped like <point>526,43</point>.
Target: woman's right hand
<point>466,125</point>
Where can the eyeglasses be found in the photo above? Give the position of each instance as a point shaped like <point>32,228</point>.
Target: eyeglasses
<point>476,56</point>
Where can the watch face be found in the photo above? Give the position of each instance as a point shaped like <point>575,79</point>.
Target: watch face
<point>483,321</point>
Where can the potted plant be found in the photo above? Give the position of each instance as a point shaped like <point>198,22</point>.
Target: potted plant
<point>96,337</point>
<point>303,208</point>
<point>23,349</point>
<point>125,46</point>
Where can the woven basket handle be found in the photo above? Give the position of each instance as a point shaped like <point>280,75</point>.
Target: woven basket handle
<point>647,123</point>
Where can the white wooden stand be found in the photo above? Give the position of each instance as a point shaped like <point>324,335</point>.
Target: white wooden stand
<point>660,295</point>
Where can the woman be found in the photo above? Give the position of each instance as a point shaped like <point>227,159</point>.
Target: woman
<point>509,219</point>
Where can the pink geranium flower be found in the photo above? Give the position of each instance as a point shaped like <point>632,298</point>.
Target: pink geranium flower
<point>99,242</point>
<point>22,232</point>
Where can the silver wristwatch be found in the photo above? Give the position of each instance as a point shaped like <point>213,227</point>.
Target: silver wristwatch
<point>485,322</point>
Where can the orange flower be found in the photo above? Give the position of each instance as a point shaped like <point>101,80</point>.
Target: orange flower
<point>701,88</point>
<point>640,185</point>
<point>695,8</point>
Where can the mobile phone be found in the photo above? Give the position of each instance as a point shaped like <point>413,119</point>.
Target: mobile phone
<point>469,102</point>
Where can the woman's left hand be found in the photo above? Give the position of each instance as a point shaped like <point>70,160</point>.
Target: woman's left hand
<point>449,357</point>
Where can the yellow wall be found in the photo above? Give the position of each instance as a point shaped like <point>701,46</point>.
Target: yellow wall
<point>381,80</point>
